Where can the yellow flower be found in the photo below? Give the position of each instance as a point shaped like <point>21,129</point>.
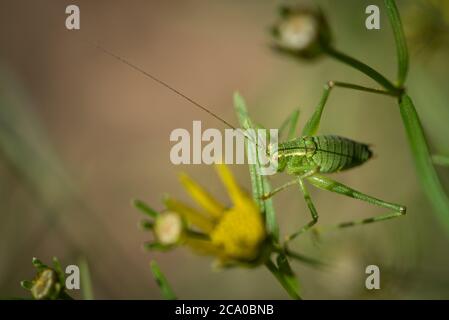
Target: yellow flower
<point>234,235</point>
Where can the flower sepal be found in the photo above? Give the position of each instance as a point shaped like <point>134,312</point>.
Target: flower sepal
<point>49,283</point>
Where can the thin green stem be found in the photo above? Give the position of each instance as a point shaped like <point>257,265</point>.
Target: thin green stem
<point>362,67</point>
<point>142,206</point>
<point>363,88</point>
<point>305,259</point>
<point>65,296</point>
<point>399,37</point>
<point>430,182</point>
<point>86,281</point>
<point>285,284</point>
<point>440,160</point>
<point>297,256</point>
<point>162,282</point>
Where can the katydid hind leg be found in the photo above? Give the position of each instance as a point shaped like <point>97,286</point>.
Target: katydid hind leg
<point>326,183</point>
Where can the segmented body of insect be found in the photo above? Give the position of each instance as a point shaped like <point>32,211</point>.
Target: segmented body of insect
<point>327,154</point>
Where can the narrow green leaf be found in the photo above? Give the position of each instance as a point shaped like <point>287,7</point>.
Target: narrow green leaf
<point>305,259</point>
<point>270,215</point>
<point>58,269</point>
<point>245,123</point>
<point>86,280</point>
<point>162,282</point>
<point>156,246</point>
<point>401,44</point>
<point>260,184</point>
<point>39,264</point>
<point>362,67</point>
<point>287,272</point>
<point>146,209</point>
<point>423,161</point>
<point>65,296</point>
<point>146,225</point>
<point>291,290</point>
<point>26,284</point>
<point>440,160</point>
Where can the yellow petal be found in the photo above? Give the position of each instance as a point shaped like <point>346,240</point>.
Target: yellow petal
<point>234,191</point>
<point>191,215</point>
<point>202,197</point>
<point>204,247</point>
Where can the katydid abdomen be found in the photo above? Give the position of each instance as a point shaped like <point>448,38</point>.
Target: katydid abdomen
<point>328,153</point>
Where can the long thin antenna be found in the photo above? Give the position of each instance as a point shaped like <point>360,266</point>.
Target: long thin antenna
<point>106,51</point>
<point>163,83</point>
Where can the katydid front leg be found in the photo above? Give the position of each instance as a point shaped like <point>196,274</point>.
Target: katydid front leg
<point>308,173</point>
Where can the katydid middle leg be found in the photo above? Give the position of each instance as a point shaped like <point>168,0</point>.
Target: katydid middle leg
<point>307,198</point>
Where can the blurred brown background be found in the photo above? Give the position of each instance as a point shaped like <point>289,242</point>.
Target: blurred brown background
<point>82,134</point>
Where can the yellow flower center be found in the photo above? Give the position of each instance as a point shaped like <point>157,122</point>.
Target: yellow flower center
<point>240,231</point>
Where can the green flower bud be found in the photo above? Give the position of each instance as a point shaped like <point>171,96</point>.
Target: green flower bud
<point>46,285</point>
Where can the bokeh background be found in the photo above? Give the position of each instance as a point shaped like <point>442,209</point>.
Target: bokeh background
<point>82,134</point>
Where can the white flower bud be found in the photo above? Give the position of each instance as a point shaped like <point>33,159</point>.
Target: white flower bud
<point>168,228</point>
<point>298,32</point>
<point>301,32</point>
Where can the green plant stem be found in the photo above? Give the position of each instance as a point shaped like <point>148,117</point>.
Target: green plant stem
<point>65,296</point>
<point>363,88</point>
<point>364,68</point>
<point>399,37</point>
<point>440,160</point>
<point>423,161</point>
<point>285,284</point>
<point>415,134</point>
<point>305,259</point>
<point>86,281</point>
<point>298,256</point>
<point>162,282</point>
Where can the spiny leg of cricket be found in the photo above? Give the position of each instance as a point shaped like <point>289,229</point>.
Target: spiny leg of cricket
<point>309,155</point>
